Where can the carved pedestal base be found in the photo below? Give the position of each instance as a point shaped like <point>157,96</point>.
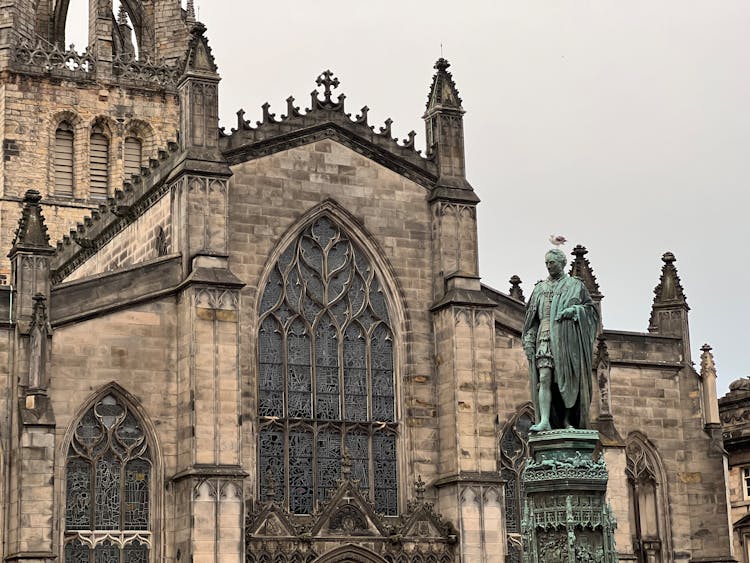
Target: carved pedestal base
<point>566,517</point>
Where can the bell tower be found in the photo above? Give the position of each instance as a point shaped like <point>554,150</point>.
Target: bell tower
<point>78,122</point>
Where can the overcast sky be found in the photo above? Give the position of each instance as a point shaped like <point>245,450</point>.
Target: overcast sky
<point>623,126</point>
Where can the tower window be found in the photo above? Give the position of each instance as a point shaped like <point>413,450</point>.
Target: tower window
<point>133,157</point>
<point>99,164</point>
<point>63,160</point>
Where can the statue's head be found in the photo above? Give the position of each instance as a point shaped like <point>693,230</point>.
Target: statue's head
<point>555,260</point>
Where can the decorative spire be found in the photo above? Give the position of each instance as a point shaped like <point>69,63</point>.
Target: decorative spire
<point>669,294</point>
<point>708,366</point>
<point>581,268</point>
<point>515,288</point>
<point>31,235</point>
<point>199,57</point>
<point>443,92</point>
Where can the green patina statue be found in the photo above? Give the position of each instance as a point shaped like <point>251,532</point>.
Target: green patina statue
<point>558,338</point>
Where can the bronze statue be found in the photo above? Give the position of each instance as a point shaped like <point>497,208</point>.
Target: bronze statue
<point>558,338</point>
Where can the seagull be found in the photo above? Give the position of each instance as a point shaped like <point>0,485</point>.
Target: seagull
<point>557,240</point>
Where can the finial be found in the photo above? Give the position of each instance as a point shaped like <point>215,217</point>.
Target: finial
<point>346,465</point>
<point>441,63</point>
<point>706,348</point>
<point>515,288</point>
<point>270,485</point>
<point>32,196</point>
<point>579,251</point>
<point>122,15</point>
<point>328,81</point>
<point>419,488</point>
<point>668,258</point>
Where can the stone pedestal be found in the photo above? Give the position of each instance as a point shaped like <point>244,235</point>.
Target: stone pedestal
<point>567,519</point>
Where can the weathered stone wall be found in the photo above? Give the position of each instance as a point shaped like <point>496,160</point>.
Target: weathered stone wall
<point>137,349</point>
<point>137,243</point>
<point>663,403</point>
<point>268,196</point>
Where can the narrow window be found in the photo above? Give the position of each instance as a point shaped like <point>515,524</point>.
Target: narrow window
<point>99,164</point>
<point>746,482</point>
<point>63,160</point>
<point>133,157</point>
<point>108,482</point>
<point>326,382</point>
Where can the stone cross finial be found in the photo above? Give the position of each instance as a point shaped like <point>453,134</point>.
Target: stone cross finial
<point>328,81</point>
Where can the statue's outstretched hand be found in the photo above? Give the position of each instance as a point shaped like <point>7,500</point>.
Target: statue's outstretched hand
<point>567,314</point>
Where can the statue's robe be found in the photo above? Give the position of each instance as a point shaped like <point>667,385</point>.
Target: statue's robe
<point>572,344</point>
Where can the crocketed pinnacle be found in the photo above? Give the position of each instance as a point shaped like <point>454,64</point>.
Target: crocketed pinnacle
<point>199,58</point>
<point>31,235</point>
<point>708,366</point>
<point>669,292</point>
<point>443,92</point>
<point>581,268</point>
<point>515,288</point>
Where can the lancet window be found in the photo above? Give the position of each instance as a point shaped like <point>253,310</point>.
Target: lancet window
<point>326,374</point>
<point>108,487</point>
<point>133,157</point>
<point>648,523</point>
<point>514,450</point>
<point>99,164</point>
<point>63,160</point>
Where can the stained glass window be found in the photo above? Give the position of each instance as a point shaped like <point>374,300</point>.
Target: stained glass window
<point>108,483</point>
<point>325,374</point>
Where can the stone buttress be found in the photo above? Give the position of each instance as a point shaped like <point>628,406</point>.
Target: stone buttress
<point>469,487</point>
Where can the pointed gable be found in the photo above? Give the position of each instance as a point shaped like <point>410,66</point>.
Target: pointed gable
<point>31,235</point>
<point>271,521</point>
<point>348,513</point>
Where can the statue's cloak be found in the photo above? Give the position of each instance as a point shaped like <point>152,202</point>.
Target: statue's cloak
<point>572,345</point>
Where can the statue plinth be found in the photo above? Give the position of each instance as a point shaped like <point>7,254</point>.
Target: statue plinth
<point>566,516</point>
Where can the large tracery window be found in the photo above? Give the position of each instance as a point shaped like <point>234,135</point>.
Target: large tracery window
<point>108,480</point>
<point>326,379</point>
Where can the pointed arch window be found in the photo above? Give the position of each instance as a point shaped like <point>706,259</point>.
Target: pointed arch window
<point>63,160</point>
<point>647,498</point>
<point>108,487</point>
<point>514,450</point>
<point>326,373</point>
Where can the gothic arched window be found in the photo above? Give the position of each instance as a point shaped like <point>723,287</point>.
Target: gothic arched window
<point>98,164</point>
<point>63,160</point>
<point>514,449</point>
<point>108,487</point>
<point>648,522</point>
<point>326,374</point>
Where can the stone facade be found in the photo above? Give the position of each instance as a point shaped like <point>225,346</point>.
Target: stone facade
<point>273,344</point>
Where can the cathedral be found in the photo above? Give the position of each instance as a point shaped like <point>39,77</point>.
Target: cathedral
<point>272,345</point>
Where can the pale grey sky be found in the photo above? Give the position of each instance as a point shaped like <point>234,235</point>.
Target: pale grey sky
<point>622,125</point>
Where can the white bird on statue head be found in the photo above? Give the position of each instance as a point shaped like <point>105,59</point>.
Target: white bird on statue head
<point>557,240</point>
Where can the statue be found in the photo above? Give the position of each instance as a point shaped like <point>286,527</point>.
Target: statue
<point>40,331</point>
<point>558,338</point>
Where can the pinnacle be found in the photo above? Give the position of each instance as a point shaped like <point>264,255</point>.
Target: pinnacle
<point>31,234</point>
